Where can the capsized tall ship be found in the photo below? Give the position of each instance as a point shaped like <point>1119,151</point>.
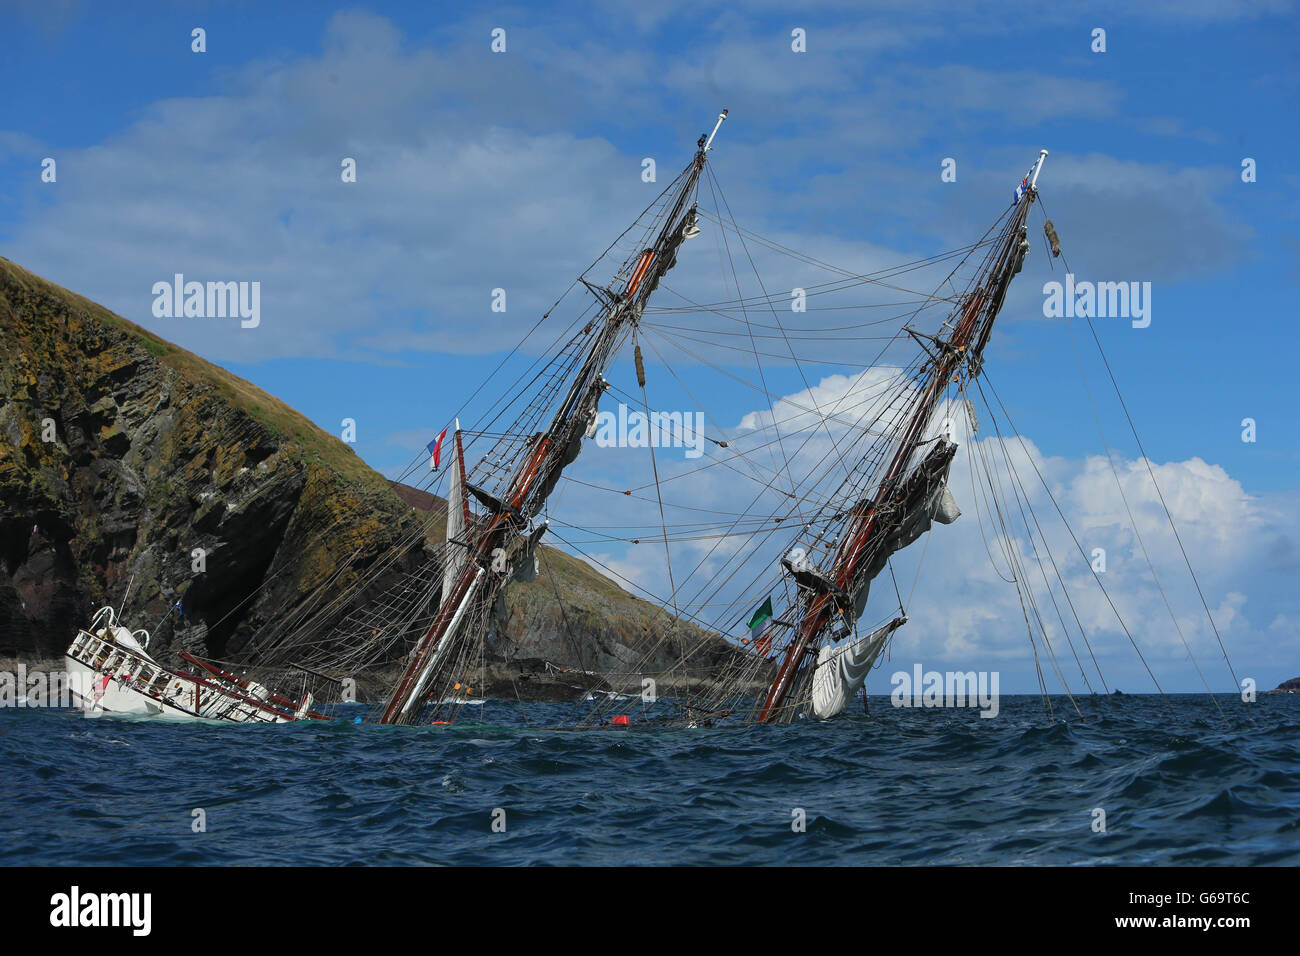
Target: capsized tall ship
<point>896,465</point>
<point>821,530</point>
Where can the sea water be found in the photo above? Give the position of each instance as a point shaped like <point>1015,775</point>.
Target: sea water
<point>1136,780</point>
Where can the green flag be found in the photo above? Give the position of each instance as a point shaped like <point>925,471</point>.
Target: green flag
<point>763,614</point>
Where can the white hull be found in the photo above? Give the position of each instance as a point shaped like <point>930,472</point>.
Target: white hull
<point>110,672</point>
<point>94,696</point>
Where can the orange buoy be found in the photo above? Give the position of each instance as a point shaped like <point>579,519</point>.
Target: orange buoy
<point>622,720</point>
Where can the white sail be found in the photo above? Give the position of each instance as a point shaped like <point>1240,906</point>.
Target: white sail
<point>455,551</point>
<point>427,668</point>
<point>841,671</point>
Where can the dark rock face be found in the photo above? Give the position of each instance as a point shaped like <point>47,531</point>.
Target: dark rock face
<point>1290,686</point>
<point>125,459</point>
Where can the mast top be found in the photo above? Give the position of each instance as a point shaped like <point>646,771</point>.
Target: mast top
<point>1030,183</point>
<point>1038,167</point>
<point>708,144</point>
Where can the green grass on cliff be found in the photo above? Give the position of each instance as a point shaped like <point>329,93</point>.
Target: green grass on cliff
<point>314,443</point>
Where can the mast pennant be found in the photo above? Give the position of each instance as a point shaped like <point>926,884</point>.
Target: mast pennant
<point>1031,177</point>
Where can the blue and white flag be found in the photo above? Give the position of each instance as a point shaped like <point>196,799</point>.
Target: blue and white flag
<point>1024,185</point>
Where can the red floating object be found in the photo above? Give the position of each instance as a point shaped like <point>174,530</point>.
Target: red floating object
<point>622,721</point>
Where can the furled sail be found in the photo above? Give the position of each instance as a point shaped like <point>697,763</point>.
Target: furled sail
<point>841,671</point>
<point>456,549</point>
<point>524,567</point>
<point>455,605</point>
<point>922,498</point>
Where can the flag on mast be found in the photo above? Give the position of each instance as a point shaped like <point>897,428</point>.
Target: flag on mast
<point>435,450</point>
<point>760,625</point>
<point>1024,184</point>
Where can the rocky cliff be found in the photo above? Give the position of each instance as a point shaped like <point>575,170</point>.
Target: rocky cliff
<point>127,460</point>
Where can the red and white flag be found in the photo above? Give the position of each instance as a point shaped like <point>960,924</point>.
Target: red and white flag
<point>435,449</point>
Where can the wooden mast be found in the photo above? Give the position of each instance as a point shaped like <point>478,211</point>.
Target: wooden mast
<point>543,463</point>
<point>865,525</point>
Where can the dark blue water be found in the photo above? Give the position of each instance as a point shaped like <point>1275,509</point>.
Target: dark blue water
<point>906,786</point>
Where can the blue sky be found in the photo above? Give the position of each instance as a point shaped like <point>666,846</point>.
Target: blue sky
<point>479,170</point>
